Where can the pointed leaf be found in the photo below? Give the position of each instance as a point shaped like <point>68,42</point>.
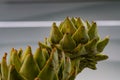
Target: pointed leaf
<point>15,60</point>
<point>68,27</point>
<point>80,22</point>
<point>55,34</point>
<point>40,58</point>
<point>29,68</point>
<point>81,36</point>
<point>13,74</point>
<point>67,43</point>
<point>4,68</point>
<point>100,57</point>
<point>101,44</point>
<point>25,53</point>
<point>92,31</point>
<point>48,70</point>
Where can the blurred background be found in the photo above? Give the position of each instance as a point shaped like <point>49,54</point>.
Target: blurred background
<point>25,22</point>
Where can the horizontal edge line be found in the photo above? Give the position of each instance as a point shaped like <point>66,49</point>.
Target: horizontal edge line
<point>20,24</point>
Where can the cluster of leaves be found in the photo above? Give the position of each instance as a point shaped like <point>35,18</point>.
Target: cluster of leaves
<point>70,48</point>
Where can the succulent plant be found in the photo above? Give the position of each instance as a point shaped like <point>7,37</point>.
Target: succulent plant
<point>71,47</point>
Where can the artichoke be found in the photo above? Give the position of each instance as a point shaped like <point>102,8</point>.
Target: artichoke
<point>71,47</point>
